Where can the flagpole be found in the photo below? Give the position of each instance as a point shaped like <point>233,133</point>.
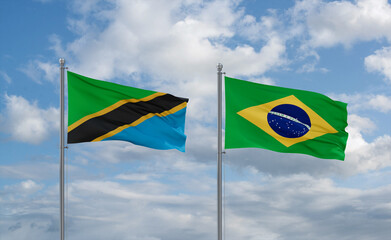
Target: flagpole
<point>219,153</point>
<point>62,217</point>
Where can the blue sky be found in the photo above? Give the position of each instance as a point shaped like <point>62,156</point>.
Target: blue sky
<point>116,190</point>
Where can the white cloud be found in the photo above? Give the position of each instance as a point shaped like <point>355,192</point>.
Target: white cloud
<point>381,103</point>
<point>295,207</point>
<point>169,45</point>
<point>363,102</point>
<point>24,188</point>
<point>357,125</point>
<point>255,30</point>
<point>361,124</point>
<point>26,122</point>
<point>56,46</point>
<point>363,156</point>
<point>311,67</point>
<point>135,176</point>
<point>319,23</point>
<point>151,212</point>
<point>5,76</point>
<point>39,71</point>
<point>244,60</point>
<point>380,62</point>
<point>301,207</point>
<point>344,22</point>
<point>36,226</point>
<point>33,171</point>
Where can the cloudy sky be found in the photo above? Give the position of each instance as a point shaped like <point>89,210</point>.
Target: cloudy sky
<point>116,190</point>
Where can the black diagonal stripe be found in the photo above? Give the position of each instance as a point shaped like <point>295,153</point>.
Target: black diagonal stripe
<point>125,114</point>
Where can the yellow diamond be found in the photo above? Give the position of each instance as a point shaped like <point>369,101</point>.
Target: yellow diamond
<point>257,115</point>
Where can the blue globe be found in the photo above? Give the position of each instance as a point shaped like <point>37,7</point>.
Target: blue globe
<point>289,121</point>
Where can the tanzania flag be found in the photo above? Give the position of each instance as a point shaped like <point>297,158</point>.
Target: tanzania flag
<point>99,110</point>
<point>284,120</point>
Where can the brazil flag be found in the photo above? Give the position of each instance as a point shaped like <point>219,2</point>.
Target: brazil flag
<point>284,120</point>
<point>99,110</point>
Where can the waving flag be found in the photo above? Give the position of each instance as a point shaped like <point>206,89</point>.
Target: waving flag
<point>284,120</point>
<point>99,110</point>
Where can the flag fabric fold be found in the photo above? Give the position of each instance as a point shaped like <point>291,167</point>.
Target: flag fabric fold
<point>100,111</point>
<point>284,120</point>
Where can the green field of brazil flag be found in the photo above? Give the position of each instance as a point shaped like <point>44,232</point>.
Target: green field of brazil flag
<point>284,120</point>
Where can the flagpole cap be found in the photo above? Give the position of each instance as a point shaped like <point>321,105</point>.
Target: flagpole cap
<point>62,61</point>
<point>219,67</point>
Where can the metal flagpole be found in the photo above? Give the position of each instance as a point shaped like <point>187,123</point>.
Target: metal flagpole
<point>62,217</point>
<point>219,153</point>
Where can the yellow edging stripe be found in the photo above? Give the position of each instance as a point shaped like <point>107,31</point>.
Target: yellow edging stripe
<point>112,107</point>
<point>140,120</point>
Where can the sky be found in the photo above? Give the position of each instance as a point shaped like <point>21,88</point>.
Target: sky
<point>116,190</point>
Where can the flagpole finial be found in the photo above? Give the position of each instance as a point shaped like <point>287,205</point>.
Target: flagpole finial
<point>219,67</point>
<point>62,61</point>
